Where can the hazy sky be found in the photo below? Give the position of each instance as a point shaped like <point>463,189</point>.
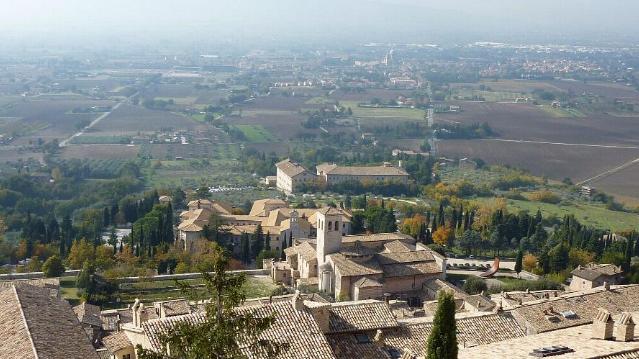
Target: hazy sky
<point>113,21</point>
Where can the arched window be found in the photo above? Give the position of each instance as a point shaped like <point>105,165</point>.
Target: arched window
<point>330,225</point>
<point>336,225</point>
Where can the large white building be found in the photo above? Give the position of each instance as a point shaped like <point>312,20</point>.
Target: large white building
<point>291,174</point>
<point>333,174</point>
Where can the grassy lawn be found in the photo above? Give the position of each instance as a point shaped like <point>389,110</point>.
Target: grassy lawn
<point>68,290</point>
<point>592,214</point>
<point>408,114</point>
<point>256,133</point>
<point>147,292</point>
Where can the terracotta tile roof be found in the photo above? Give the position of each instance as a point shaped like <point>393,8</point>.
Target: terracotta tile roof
<point>578,338</point>
<point>104,353</point>
<point>367,283</point>
<point>307,251</point>
<point>259,207</point>
<point>410,338</point>
<point>347,346</point>
<point>396,247</point>
<point>626,354</point>
<point>88,314</point>
<point>290,168</point>
<point>325,167</point>
<point>405,257</point>
<point>52,283</point>
<point>409,269</point>
<point>175,307</point>
<point>217,206</point>
<point>154,329</point>
<point>377,237</point>
<point>362,170</point>
<point>34,324</point>
<point>545,315</point>
<point>359,316</point>
<point>350,267</point>
<point>479,302</point>
<point>116,341</point>
<point>593,271</point>
<point>295,327</point>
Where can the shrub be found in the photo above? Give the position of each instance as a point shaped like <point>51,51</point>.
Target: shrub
<point>53,267</point>
<point>545,197</point>
<point>475,285</point>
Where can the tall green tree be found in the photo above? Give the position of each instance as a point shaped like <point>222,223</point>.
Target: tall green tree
<point>257,244</point>
<point>519,261</point>
<point>442,342</point>
<point>224,333</point>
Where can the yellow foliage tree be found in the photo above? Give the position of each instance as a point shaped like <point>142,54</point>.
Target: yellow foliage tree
<point>529,262</point>
<point>442,236</point>
<point>81,250</point>
<point>411,226</point>
<point>578,257</point>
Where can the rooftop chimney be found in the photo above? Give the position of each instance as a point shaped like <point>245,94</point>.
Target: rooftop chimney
<point>135,313</point>
<point>298,302</point>
<point>602,325</point>
<point>625,328</point>
<point>379,338</point>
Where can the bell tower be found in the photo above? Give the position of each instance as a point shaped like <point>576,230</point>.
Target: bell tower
<point>329,235</point>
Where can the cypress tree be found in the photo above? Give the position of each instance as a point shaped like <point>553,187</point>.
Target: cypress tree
<point>519,261</point>
<point>627,256</point>
<point>442,341</point>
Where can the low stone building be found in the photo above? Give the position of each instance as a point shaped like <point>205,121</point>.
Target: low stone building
<point>333,174</point>
<point>594,275</point>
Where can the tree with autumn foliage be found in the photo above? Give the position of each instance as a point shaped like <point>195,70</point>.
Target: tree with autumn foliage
<point>443,236</point>
<point>412,226</point>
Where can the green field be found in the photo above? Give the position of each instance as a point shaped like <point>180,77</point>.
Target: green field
<point>562,112</point>
<point>320,101</point>
<point>100,140</point>
<point>179,100</point>
<point>590,214</point>
<point>256,133</point>
<point>408,114</point>
<point>488,96</point>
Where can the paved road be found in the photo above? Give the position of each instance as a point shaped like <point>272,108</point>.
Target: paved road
<point>609,172</point>
<point>64,143</point>
<point>562,143</point>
